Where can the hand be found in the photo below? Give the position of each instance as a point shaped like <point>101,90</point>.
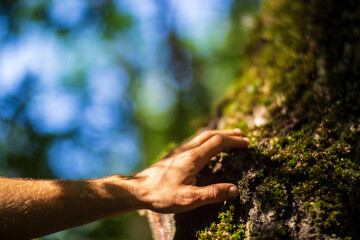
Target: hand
<point>41,207</point>
<point>168,186</point>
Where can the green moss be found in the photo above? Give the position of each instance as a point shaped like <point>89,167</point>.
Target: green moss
<point>302,68</point>
<point>226,228</point>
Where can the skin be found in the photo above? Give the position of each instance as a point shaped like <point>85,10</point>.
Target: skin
<point>33,208</point>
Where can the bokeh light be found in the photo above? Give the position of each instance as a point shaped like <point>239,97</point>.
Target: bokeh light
<point>95,88</point>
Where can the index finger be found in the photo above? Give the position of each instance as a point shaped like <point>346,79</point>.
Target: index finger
<point>217,144</point>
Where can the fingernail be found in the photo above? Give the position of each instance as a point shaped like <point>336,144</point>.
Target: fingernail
<point>247,140</point>
<point>233,192</point>
<point>237,130</point>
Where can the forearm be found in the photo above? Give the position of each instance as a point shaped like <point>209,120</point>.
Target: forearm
<point>32,208</point>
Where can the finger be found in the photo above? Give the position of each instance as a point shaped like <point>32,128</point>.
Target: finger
<point>206,135</point>
<point>215,193</point>
<point>217,144</point>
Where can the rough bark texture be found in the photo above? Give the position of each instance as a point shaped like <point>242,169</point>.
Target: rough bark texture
<point>298,98</point>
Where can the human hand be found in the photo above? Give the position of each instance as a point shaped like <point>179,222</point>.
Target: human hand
<point>168,186</point>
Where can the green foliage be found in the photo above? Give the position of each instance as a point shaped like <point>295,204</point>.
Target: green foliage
<point>227,228</point>
<point>166,150</point>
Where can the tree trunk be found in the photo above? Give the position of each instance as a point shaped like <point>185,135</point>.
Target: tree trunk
<point>298,100</point>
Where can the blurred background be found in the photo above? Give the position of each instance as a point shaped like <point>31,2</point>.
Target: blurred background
<point>98,87</point>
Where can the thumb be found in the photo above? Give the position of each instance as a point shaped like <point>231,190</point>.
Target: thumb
<point>217,193</point>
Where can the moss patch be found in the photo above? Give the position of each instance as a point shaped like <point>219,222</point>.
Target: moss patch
<point>298,101</point>
<point>226,228</point>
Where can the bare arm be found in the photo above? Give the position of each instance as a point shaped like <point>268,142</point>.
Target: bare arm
<point>32,208</point>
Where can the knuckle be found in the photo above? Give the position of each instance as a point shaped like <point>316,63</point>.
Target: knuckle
<point>189,198</point>
<point>204,135</point>
<point>193,169</point>
<point>215,192</point>
<point>192,154</point>
<point>218,139</point>
<point>176,150</point>
<point>208,133</point>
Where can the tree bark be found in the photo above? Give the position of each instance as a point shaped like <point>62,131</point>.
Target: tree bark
<point>298,100</point>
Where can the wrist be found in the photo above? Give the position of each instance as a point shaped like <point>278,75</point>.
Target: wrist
<point>127,192</point>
